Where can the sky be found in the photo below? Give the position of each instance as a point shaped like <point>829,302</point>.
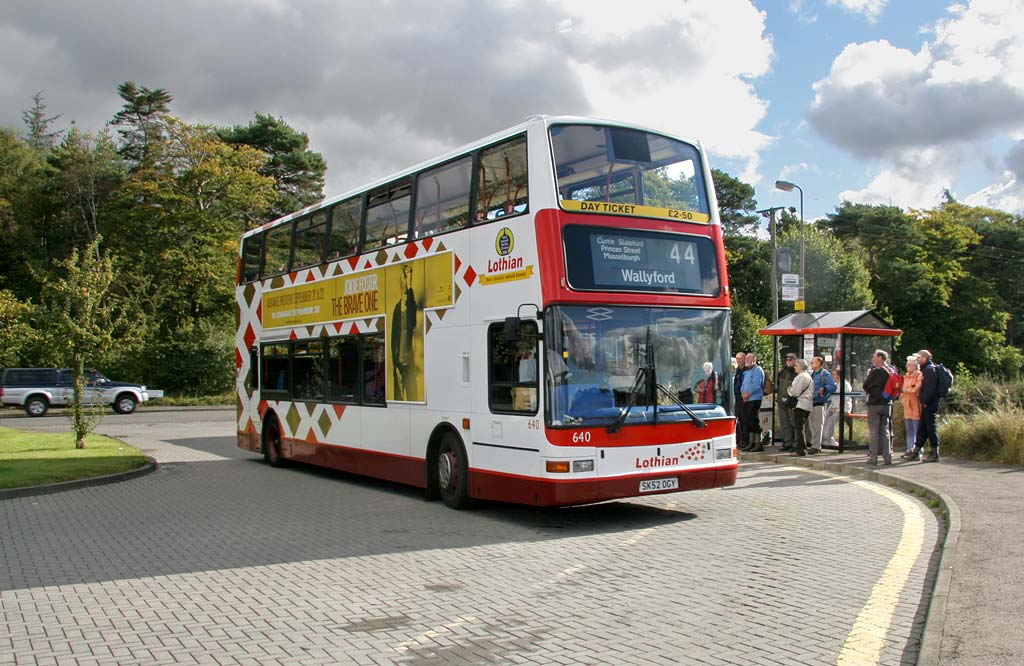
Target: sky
<point>872,101</point>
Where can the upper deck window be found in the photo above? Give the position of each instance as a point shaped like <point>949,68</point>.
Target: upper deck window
<point>623,171</point>
<point>345,219</point>
<point>502,189</point>
<point>387,215</point>
<point>279,249</point>
<point>309,240</point>
<point>252,253</point>
<point>442,198</point>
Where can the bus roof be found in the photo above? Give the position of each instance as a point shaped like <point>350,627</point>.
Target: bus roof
<point>545,120</point>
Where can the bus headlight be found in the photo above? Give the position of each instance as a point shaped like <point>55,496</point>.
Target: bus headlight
<point>582,465</point>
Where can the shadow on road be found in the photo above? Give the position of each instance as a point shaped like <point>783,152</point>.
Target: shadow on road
<point>235,511</point>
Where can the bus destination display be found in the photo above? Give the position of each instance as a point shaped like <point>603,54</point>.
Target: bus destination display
<point>639,261</point>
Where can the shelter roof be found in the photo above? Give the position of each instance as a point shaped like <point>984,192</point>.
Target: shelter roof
<point>856,322</point>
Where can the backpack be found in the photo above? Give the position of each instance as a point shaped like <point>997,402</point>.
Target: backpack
<point>893,385</point>
<point>943,380</point>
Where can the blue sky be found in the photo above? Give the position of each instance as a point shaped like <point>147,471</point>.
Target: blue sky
<point>806,41</point>
<point>807,37</point>
<point>875,101</point>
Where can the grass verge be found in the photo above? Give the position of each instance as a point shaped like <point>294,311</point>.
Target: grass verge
<point>33,459</point>
<point>993,436</point>
<point>222,400</point>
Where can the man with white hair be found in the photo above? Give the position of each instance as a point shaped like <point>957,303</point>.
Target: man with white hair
<point>752,390</point>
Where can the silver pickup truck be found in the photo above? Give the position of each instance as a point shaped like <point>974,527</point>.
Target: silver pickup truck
<point>36,389</point>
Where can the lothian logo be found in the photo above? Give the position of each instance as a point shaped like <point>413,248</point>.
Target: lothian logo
<point>656,461</point>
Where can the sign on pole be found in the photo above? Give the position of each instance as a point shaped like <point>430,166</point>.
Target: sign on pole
<point>790,293</point>
<point>790,280</point>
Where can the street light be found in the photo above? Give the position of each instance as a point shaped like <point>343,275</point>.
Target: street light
<point>787,186</point>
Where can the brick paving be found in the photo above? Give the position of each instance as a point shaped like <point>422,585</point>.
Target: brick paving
<point>218,559</point>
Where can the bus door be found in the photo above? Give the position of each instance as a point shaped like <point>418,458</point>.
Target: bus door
<point>513,395</point>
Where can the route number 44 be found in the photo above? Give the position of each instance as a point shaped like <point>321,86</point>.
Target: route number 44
<point>686,255</point>
<point>581,437</point>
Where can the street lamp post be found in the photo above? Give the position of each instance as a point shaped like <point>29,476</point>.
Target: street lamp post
<point>787,186</point>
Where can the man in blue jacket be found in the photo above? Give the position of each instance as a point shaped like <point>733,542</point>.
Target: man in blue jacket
<point>824,387</point>
<point>737,408</point>
<point>752,390</point>
<point>927,431</point>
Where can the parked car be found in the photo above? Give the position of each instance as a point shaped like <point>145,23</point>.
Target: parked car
<point>36,389</point>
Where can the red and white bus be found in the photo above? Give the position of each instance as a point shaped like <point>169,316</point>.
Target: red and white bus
<point>539,317</point>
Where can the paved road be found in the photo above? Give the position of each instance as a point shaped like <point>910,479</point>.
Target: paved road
<point>218,559</point>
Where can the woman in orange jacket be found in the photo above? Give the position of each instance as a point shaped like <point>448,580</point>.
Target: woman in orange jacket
<point>910,401</point>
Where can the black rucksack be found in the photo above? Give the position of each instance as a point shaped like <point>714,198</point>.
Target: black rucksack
<point>943,380</point>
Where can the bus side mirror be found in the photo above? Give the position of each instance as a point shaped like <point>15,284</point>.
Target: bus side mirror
<point>512,329</point>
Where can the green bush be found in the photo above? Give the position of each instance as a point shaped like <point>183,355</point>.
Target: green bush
<point>984,393</point>
<point>995,436</point>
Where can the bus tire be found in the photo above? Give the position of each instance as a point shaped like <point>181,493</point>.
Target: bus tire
<point>452,472</point>
<point>272,444</point>
<point>124,403</point>
<point>37,405</point>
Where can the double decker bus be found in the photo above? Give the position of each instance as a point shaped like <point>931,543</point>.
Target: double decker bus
<point>539,317</point>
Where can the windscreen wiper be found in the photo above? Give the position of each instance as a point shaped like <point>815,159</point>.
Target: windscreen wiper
<point>638,381</point>
<point>647,377</point>
<point>697,421</point>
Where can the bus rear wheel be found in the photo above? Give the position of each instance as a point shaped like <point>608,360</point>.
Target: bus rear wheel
<point>272,445</point>
<point>453,473</point>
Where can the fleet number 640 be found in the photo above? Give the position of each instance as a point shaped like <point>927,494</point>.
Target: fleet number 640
<point>581,437</point>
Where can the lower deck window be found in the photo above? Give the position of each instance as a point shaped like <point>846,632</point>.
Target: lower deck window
<point>347,369</point>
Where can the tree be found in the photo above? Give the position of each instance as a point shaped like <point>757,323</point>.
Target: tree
<point>178,224</point>
<point>736,204</point>
<point>836,279</point>
<point>85,322</point>
<point>87,170</point>
<point>17,336</point>
<point>21,173</point>
<point>745,336</point>
<point>298,172</point>
<point>749,262</point>
<point>39,135</point>
<point>141,120</point>
<point>942,276</point>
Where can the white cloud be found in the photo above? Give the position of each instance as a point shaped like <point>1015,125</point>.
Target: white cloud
<point>869,9</point>
<point>1008,194</point>
<point>800,167</point>
<point>893,104</point>
<point>914,178</point>
<point>802,13</point>
<point>381,86</point>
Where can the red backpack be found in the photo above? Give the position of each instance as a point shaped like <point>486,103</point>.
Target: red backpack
<point>893,385</point>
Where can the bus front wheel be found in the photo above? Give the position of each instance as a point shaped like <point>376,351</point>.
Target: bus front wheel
<point>453,472</point>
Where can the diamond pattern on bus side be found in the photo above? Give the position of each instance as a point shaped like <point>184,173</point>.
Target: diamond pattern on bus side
<point>250,306</point>
<point>324,422</point>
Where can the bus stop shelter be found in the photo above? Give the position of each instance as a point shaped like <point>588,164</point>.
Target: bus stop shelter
<point>846,341</point>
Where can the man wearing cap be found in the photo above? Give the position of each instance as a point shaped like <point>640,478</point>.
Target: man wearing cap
<point>927,429</point>
<point>783,381</point>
